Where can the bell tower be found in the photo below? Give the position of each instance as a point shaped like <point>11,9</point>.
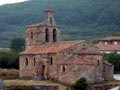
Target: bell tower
<point>49,17</point>
<point>46,32</point>
<point>52,31</point>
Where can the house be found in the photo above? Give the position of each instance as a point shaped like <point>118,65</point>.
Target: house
<point>47,57</point>
<point>109,44</point>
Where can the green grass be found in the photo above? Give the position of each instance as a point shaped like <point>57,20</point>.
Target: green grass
<point>33,82</point>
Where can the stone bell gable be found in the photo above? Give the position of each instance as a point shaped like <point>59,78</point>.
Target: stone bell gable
<point>45,32</point>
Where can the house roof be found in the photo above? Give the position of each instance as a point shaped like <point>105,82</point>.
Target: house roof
<point>40,25</point>
<point>35,25</point>
<point>51,47</point>
<point>111,38</point>
<point>108,47</point>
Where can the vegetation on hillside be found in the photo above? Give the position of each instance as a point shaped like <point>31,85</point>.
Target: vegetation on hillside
<point>79,19</point>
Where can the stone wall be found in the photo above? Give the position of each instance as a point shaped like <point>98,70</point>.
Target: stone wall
<point>74,72</point>
<point>34,87</point>
<point>38,35</point>
<point>32,69</point>
<point>108,70</point>
<point>103,86</point>
<point>26,70</point>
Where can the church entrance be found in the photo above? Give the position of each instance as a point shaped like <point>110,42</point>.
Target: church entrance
<point>42,70</point>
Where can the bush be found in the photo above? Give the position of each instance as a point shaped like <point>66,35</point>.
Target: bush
<point>81,84</point>
<point>9,73</point>
<point>9,60</point>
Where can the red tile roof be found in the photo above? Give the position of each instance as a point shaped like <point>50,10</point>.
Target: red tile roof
<point>40,25</point>
<point>50,47</point>
<point>35,25</point>
<point>108,47</point>
<point>111,38</point>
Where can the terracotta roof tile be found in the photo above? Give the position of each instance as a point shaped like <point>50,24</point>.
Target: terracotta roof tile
<point>50,47</point>
<point>111,38</point>
<point>35,25</point>
<point>108,47</point>
<point>40,25</point>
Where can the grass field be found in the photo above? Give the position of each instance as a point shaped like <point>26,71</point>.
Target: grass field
<point>33,82</point>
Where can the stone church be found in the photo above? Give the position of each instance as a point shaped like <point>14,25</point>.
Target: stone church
<point>47,57</point>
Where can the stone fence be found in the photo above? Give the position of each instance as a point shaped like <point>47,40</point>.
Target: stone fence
<point>103,86</point>
<point>31,87</point>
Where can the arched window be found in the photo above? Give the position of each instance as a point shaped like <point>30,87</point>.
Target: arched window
<point>26,62</point>
<point>34,61</point>
<point>51,61</point>
<point>46,35</point>
<point>31,35</point>
<point>54,35</point>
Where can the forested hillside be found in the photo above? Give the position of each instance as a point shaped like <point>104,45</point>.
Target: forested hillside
<point>79,19</point>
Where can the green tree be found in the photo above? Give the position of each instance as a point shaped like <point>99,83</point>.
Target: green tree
<point>81,84</point>
<point>116,34</point>
<point>94,41</point>
<point>9,60</point>
<point>113,58</point>
<point>17,44</point>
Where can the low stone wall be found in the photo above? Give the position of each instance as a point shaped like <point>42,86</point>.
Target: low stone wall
<point>103,86</point>
<point>33,87</point>
<point>45,87</point>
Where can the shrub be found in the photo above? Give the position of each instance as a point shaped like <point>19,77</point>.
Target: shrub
<point>81,84</point>
<point>9,73</point>
<point>9,60</point>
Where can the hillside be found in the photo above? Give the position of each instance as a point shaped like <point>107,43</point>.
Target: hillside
<point>79,19</point>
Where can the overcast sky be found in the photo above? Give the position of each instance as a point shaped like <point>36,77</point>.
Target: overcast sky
<point>10,1</point>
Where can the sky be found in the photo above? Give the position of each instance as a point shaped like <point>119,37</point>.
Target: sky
<point>10,1</point>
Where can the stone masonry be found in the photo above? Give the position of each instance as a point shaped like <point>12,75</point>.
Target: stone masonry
<point>46,57</point>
